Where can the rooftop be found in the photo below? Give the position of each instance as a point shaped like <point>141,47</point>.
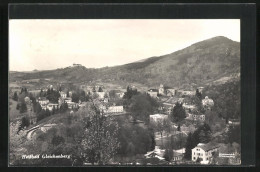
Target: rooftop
<point>208,146</point>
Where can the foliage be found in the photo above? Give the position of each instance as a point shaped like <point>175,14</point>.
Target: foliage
<point>189,145</point>
<point>100,143</point>
<point>233,134</point>
<point>168,154</point>
<point>64,107</point>
<point>17,139</point>
<point>43,114</point>
<point>15,96</point>
<point>198,94</point>
<point>161,125</point>
<point>75,97</point>
<point>178,113</point>
<point>142,106</point>
<point>56,140</point>
<point>100,89</point>
<point>227,100</point>
<point>53,95</point>
<point>201,135</point>
<point>130,92</point>
<point>23,107</point>
<point>135,140</point>
<point>25,123</point>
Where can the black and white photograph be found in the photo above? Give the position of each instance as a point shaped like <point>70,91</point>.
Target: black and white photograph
<point>124,92</point>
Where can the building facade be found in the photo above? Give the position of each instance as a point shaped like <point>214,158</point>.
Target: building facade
<point>204,152</point>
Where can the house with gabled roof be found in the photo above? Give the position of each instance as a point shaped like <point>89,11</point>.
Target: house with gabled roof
<point>204,152</point>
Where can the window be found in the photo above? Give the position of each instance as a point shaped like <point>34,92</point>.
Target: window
<point>194,153</point>
<point>207,158</point>
<point>194,158</point>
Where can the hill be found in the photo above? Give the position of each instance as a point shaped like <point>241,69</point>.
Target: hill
<point>198,64</point>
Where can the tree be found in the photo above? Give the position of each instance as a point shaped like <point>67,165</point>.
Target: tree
<point>18,106</point>
<point>82,96</point>
<point>75,97</point>
<point>23,107</point>
<point>56,140</point>
<point>41,115</point>
<point>130,92</point>
<point>17,138</point>
<point>142,106</point>
<point>179,127</point>
<point>100,143</point>
<point>15,96</point>
<point>188,146</point>
<point>168,154</point>
<point>64,107</point>
<point>38,108</point>
<point>25,123</point>
<point>112,94</point>
<point>52,95</point>
<point>233,134</point>
<point>100,89</point>
<point>198,94</point>
<point>178,113</point>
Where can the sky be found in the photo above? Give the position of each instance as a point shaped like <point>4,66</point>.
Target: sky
<point>45,44</point>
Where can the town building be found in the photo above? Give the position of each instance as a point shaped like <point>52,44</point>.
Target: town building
<point>207,103</point>
<point>204,152</point>
<point>76,65</point>
<point>156,153</point>
<point>101,95</point>
<point>153,93</point>
<point>67,100</point>
<point>63,94</point>
<point>72,105</point>
<point>188,107</point>
<point>170,92</point>
<point>234,122</point>
<point>114,109</point>
<point>52,106</point>
<point>200,89</point>
<point>161,90</point>
<point>158,117</point>
<point>35,93</point>
<point>196,117</point>
<point>177,156</point>
<point>43,101</point>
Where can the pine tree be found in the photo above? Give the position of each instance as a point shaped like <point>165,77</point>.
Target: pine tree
<point>15,97</point>
<point>179,128</point>
<point>100,89</point>
<point>23,107</point>
<point>198,94</point>
<point>178,113</point>
<point>188,146</point>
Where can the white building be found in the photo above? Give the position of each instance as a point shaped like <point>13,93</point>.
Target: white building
<point>50,106</point>
<point>207,103</point>
<point>161,89</point>
<point>114,109</point>
<point>63,94</point>
<point>204,152</point>
<point>157,117</point>
<point>153,93</point>
<point>195,117</point>
<point>43,101</point>
<point>101,95</point>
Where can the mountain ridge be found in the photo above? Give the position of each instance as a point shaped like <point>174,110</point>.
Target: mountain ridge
<point>205,60</point>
